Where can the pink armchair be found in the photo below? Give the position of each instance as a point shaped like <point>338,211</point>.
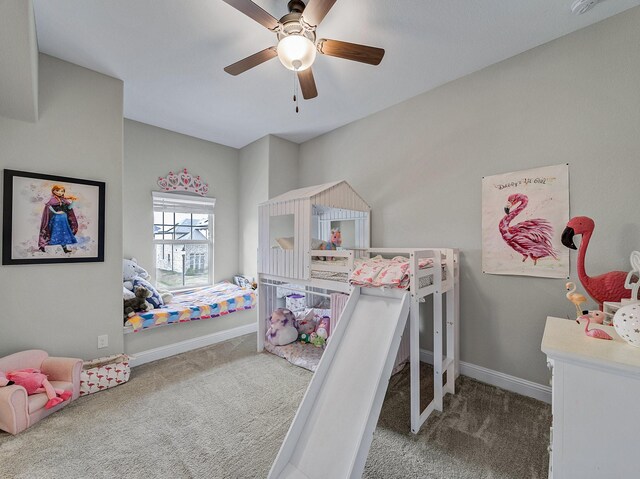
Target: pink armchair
<point>19,411</point>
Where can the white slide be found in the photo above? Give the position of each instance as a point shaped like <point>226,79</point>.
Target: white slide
<point>332,431</point>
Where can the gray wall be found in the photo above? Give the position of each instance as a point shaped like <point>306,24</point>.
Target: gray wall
<point>57,307</point>
<point>253,189</point>
<point>268,168</point>
<point>151,152</point>
<point>420,163</point>
<point>18,61</point>
<point>283,166</point>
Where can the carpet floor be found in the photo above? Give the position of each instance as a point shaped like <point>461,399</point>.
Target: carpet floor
<point>223,411</point>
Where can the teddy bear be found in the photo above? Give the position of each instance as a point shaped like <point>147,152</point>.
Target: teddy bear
<point>138,303</point>
<point>282,327</point>
<point>35,381</point>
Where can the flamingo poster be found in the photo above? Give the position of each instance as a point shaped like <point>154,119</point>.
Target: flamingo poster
<point>523,216</point>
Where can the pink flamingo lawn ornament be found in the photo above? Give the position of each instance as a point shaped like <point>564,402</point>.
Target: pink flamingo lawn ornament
<point>593,333</point>
<point>606,287</point>
<point>576,298</point>
<point>530,238</point>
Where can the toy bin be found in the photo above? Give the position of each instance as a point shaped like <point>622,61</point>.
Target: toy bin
<point>296,302</point>
<point>104,373</point>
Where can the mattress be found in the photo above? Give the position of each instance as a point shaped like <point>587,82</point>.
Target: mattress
<point>299,354</point>
<point>217,300</point>
<point>423,282</point>
<point>330,276</point>
<point>337,262</point>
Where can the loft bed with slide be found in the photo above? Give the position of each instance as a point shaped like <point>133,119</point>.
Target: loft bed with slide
<point>371,293</point>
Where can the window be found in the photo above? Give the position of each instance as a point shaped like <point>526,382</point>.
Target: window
<point>183,240</point>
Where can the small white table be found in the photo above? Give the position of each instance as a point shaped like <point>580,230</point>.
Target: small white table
<point>595,405</point>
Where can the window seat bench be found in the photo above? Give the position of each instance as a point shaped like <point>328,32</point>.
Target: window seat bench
<point>211,302</point>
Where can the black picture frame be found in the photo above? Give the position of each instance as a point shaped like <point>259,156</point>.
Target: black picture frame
<point>25,192</point>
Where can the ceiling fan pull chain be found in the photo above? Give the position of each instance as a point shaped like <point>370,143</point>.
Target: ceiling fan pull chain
<point>294,86</point>
<point>295,89</point>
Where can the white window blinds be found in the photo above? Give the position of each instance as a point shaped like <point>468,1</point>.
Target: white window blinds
<point>182,203</point>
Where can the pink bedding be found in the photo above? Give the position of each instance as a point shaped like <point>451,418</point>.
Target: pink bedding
<point>380,272</point>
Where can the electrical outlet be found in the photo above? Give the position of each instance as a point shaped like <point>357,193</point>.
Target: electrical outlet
<point>103,341</point>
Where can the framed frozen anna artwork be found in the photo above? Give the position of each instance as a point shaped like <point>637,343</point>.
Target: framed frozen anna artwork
<point>52,219</point>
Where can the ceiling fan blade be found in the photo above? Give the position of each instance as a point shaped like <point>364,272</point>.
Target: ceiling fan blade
<point>307,84</point>
<point>316,10</point>
<point>252,10</point>
<point>351,51</point>
<point>251,61</point>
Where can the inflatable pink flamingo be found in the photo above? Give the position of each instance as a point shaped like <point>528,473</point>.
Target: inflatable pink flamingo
<point>605,287</point>
<point>530,238</point>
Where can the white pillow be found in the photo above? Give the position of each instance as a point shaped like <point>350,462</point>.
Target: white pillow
<point>316,243</point>
<point>285,243</point>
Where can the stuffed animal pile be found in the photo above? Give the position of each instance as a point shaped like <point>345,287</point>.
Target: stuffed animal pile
<point>284,328</point>
<point>135,276</point>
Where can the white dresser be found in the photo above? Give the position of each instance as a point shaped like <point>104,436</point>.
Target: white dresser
<point>596,403</point>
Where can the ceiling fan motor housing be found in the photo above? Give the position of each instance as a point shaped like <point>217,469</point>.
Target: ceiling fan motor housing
<point>296,6</point>
<point>291,25</point>
<point>581,6</point>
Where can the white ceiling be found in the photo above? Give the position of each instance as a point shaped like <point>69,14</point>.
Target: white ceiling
<point>171,55</point>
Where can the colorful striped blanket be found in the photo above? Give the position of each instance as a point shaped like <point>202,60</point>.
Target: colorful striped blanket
<point>217,300</point>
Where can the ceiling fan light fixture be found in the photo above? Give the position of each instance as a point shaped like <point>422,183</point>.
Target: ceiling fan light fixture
<point>296,52</point>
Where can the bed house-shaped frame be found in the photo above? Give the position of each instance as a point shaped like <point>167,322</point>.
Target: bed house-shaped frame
<point>310,212</point>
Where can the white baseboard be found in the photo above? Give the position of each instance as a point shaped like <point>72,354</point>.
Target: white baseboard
<point>162,352</point>
<point>498,379</point>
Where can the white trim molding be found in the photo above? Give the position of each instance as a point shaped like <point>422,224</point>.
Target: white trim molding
<point>143,357</point>
<point>498,379</point>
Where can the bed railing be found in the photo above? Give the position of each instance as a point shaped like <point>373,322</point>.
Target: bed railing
<point>443,277</point>
<point>334,261</point>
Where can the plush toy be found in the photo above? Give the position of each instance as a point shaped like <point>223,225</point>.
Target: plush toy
<point>34,381</point>
<point>307,324</point>
<point>322,329</point>
<point>312,338</point>
<point>333,244</point>
<point>316,340</point>
<point>139,303</point>
<point>282,329</point>
<point>126,294</point>
<point>4,381</point>
<point>166,296</point>
<point>130,271</point>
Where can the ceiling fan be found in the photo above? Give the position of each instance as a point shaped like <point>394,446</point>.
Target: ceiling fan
<point>297,44</point>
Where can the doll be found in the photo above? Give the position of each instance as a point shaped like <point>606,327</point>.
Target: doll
<point>59,224</point>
